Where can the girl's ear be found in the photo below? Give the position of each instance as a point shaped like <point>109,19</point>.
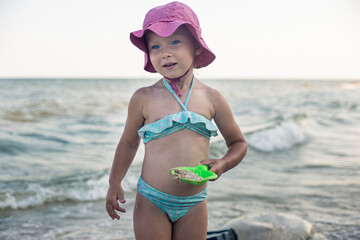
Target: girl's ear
<point>198,49</point>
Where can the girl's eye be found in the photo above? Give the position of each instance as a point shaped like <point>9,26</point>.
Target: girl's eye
<point>155,47</point>
<point>175,42</point>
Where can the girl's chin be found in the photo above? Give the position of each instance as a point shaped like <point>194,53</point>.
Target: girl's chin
<point>174,74</point>
<point>171,74</point>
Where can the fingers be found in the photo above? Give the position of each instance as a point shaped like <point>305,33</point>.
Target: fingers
<point>110,210</point>
<point>208,162</point>
<point>122,200</point>
<point>112,204</point>
<point>215,166</point>
<point>116,206</point>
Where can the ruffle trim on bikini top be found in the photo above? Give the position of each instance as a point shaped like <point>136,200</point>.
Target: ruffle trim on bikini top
<point>182,118</point>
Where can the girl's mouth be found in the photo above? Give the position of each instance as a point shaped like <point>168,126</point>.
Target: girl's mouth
<point>169,65</point>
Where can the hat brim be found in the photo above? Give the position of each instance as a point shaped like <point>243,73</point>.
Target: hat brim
<point>166,29</point>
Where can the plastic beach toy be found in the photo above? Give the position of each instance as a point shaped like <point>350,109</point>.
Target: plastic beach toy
<point>193,175</point>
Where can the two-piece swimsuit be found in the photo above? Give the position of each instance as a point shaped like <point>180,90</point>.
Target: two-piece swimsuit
<point>175,206</point>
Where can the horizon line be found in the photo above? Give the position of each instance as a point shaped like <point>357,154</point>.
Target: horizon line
<point>207,78</point>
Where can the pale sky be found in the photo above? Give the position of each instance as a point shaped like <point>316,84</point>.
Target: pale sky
<point>263,39</point>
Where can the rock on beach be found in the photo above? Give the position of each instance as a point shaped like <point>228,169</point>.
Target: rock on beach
<point>271,226</point>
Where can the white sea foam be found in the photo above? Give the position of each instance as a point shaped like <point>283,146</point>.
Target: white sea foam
<point>278,138</point>
<point>77,189</point>
<point>36,194</point>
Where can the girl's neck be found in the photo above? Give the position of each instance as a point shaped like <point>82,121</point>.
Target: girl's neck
<point>180,83</point>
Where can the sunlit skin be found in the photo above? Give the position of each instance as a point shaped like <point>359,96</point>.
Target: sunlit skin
<point>172,56</point>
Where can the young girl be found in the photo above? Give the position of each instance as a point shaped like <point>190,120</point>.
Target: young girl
<point>173,117</point>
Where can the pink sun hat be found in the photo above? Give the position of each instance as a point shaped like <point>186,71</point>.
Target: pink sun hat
<point>164,21</point>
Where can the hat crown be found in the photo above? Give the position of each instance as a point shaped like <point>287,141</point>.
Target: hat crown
<point>163,21</point>
<point>172,12</point>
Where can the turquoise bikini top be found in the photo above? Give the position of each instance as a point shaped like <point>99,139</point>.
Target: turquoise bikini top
<point>178,121</point>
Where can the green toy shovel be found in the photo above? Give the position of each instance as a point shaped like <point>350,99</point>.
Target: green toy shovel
<point>193,175</point>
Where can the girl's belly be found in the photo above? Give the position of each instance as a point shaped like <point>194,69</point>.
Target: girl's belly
<point>163,154</point>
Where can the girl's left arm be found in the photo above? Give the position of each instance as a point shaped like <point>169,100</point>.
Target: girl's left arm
<point>234,138</point>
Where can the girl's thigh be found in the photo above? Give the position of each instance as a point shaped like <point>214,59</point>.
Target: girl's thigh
<point>193,225</point>
<point>150,222</point>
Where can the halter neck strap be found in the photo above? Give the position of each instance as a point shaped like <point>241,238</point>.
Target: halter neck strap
<point>183,105</point>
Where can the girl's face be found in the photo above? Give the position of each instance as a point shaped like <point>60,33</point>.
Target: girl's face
<point>171,56</point>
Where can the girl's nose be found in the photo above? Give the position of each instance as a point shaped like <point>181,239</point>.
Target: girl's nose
<point>166,53</point>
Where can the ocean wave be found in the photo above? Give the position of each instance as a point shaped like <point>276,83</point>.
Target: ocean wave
<point>10,147</point>
<point>277,138</point>
<point>22,195</point>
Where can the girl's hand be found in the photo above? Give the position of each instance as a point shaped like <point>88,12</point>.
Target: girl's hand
<point>215,165</point>
<point>114,196</point>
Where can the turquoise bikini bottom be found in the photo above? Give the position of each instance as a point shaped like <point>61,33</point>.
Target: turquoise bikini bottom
<point>174,206</point>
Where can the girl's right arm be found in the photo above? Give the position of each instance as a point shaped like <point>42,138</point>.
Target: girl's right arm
<point>124,155</point>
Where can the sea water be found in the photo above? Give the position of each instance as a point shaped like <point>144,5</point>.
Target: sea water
<point>58,137</point>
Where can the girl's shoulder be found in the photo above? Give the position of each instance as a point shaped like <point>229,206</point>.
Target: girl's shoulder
<point>210,92</point>
<point>146,95</point>
<point>147,91</point>
<point>214,97</point>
